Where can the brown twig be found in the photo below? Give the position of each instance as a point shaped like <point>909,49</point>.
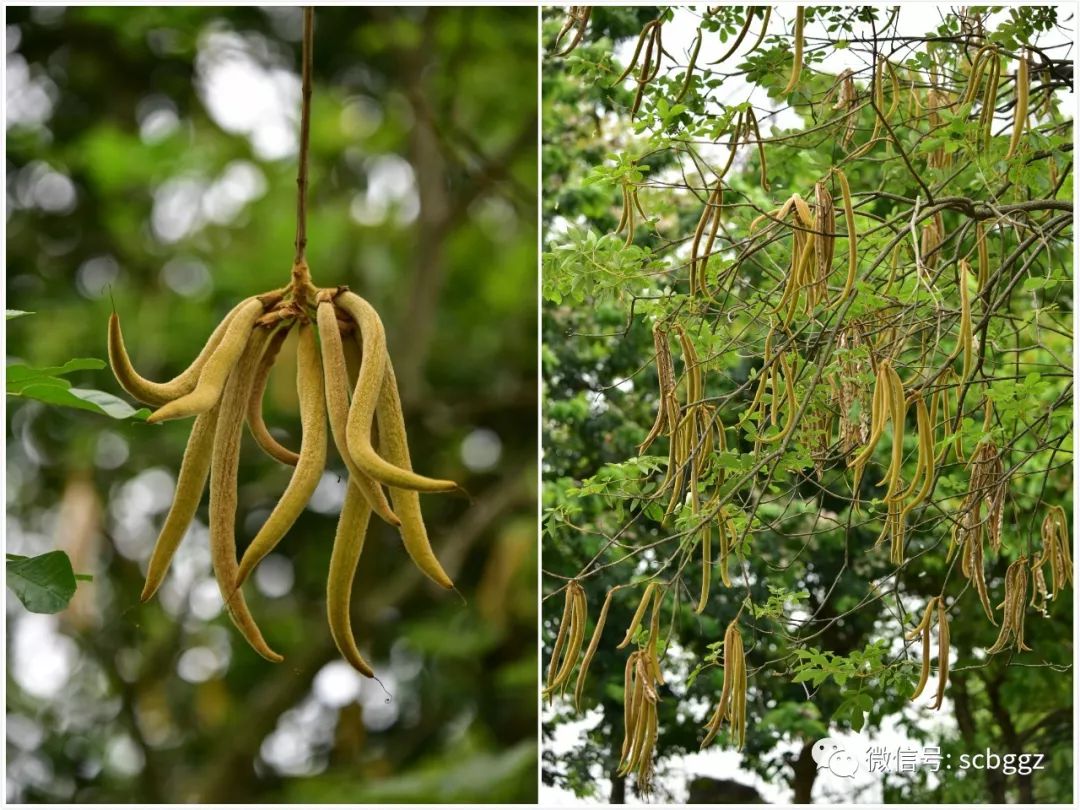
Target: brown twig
<point>305,129</point>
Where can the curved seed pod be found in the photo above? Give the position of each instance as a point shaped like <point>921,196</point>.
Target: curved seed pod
<point>984,255</point>
<point>635,622</point>
<point>579,618</point>
<point>395,447</point>
<point>565,625</point>
<point>348,545</point>
<point>943,653</point>
<point>594,643</point>
<point>337,408</point>
<point>646,31</point>
<point>852,235</point>
<point>738,40</point>
<point>898,410</point>
<point>732,705</point>
<point>796,64</point>
<point>632,717</point>
<point>309,387</point>
<point>764,30</point>
<point>706,567</point>
<point>926,454</point>
<point>190,483</point>
<point>690,68</point>
<point>223,468</point>
<point>752,126</point>
<point>1020,111</point>
<point>256,424</point>
<point>366,398</point>
<point>966,342</point>
<point>986,118</point>
<point>652,662</point>
<point>153,393</point>
<point>978,65</point>
<point>217,368</point>
<point>630,690</point>
<point>572,647</point>
<point>924,630</point>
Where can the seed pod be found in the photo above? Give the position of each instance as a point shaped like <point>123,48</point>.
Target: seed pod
<point>308,472</point>
<point>635,622</point>
<point>706,567</point>
<point>394,446</point>
<point>190,483</point>
<point>738,40</point>
<point>732,705</point>
<point>690,68</point>
<point>986,117</point>
<point>797,59</point>
<point>984,255</point>
<point>943,653</point>
<point>852,235</point>
<point>336,386</point>
<point>965,338</point>
<point>1012,617</point>
<point>1020,111</point>
<point>752,126</point>
<point>344,558</point>
<point>365,401</point>
<point>217,368</point>
<point>153,393</point>
<point>594,643</point>
<point>578,619</point>
<point>923,630</point>
<point>256,424</point>
<point>223,469</point>
<point>564,632</point>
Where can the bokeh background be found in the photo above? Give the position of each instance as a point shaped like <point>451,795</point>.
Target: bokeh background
<point>151,159</point>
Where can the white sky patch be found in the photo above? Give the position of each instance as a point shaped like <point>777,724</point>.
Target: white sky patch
<point>246,97</point>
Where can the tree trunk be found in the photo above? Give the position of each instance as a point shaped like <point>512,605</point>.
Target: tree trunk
<point>805,773</point>
<point>618,788</point>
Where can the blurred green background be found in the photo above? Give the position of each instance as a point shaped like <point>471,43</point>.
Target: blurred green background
<point>151,168</point>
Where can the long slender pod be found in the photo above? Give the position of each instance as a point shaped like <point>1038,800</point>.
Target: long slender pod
<point>216,371</point>
<point>395,446</point>
<point>155,393</point>
<point>366,399</point>
<point>308,472</point>
<point>256,424</point>
<point>348,545</point>
<point>223,470</point>
<point>336,387</point>
<point>190,483</point>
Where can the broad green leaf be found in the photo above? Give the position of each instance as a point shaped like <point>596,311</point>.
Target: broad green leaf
<point>44,584</point>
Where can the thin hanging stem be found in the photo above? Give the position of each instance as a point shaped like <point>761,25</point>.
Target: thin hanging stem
<point>305,127</point>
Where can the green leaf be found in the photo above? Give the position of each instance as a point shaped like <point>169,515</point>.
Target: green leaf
<point>12,314</point>
<point>44,584</point>
<point>20,375</point>
<point>84,399</point>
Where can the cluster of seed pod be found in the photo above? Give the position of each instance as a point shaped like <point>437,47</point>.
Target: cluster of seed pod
<point>1056,551</point>
<point>935,610</point>
<point>568,642</point>
<point>631,210</point>
<point>642,679</point>
<point>649,39</point>
<point>1013,607</point>
<point>224,387</point>
<point>577,19</point>
<point>987,486</point>
<point>847,100</point>
<point>732,704</point>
